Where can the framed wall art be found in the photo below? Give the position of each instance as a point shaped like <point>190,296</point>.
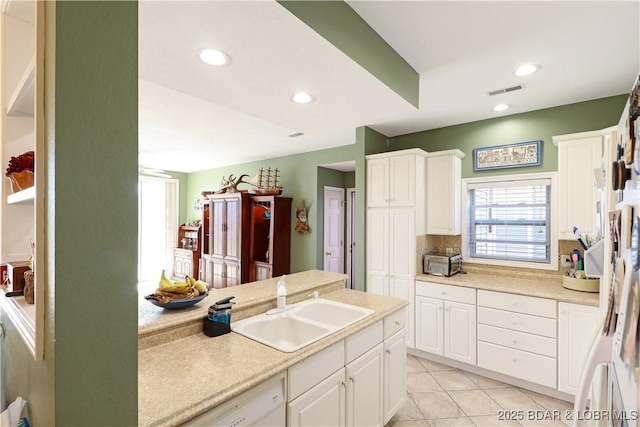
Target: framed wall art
<point>508,156</point>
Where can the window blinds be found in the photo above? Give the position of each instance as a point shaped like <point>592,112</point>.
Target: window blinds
<point>509,220</point>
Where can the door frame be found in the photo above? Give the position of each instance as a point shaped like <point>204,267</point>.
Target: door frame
<point>341,221</point>
<point>351,241</point>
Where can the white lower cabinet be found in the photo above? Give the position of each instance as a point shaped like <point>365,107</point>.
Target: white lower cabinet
<point>446,321</point>
<point>322,405</point>
<point>359,381</point>
<point>576,330</point>
<point>364,386</point>
<point>517,336</point>
<point>395,375</point>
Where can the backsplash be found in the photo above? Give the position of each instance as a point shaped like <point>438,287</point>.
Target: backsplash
<point>429,244</point>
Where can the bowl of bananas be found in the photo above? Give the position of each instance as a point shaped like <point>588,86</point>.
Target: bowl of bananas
<point>173,295</point>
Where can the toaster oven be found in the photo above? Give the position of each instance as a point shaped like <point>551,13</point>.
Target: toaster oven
<point>442,265</point>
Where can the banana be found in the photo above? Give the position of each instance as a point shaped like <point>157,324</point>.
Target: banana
<point>190,280</point>
<point>174,287</point>
<point>163,297</point>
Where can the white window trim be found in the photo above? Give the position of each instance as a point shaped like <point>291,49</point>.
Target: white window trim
<point>553,265</point>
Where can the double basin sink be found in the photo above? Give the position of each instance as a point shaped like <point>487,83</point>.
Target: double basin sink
<point>301,324</point>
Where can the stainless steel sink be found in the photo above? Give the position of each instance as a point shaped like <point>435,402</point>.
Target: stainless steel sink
<point>300,324</point>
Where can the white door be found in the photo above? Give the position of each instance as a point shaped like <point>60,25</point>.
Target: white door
<point>364,389</point>
<point>395,374</point>
<point>430,325</point>
<point>460,332</point>
<point>157,227</point>
<point>333,229</point>
<point>321,406</point>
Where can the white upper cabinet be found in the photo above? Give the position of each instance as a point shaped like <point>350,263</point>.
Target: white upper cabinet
<point>578,155</point>
<point>444,174</point>
<point>395,179</point>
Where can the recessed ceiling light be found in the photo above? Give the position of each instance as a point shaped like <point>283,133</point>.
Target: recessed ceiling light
<point>213,57</point>
<point>302,98</point>
<point>501,107</point>
<point>526,69</point>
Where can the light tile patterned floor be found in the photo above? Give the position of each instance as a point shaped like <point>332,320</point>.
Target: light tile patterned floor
<point>439,395</point>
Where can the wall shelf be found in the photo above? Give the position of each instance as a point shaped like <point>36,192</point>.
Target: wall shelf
<point>21,103</point>
<point>24,197</point>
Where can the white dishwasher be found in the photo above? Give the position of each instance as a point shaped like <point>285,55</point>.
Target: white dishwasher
<point>263,406</point>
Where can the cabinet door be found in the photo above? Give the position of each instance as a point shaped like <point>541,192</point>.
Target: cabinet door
<point>430,325</point>
<point>443,195</point>
<point>260,271</point>
<point>321,406</point>
<point>460,332</point>
<point>402,180</point>
<point>188,268</point>
<point>402,238</point>
<point>364,393</point>
<point>232,274</point>
<point>178,266</point>
<point>378,183</point>
<point>395,374</point>
<point>233,229</point>
<point>578,197</point>
<point>576,329</point>
<point>378,251</point>
<point>217,220</point>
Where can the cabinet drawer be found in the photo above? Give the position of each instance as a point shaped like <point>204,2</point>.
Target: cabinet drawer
<point>516,363</point>
<point>518,340</point>
<point>311,371</point>
<point>448,292</point>
<point>362,341</point>
<point>518,303</point>
<point>517,322</point>
<point>395,322</point>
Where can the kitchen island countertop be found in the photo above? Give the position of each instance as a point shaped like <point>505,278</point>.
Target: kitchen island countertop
<point>184,377</point>
<point>530,287</point>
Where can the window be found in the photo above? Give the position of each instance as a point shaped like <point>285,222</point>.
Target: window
<point>508,222</point>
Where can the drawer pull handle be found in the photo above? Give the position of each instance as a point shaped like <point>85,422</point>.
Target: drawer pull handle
<point>514,359</point>
<point>388,351</point>
<point>515,341</point>
<point>351,379</point>
<point>397,322</point>
<point>514,323</point>
<point>444,293</point>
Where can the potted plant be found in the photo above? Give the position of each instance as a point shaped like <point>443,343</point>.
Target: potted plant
<point>20,171</point>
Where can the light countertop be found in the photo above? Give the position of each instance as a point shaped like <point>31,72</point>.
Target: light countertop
<point>157,325</point>
<point>184,377</point>
<point>521,286</point>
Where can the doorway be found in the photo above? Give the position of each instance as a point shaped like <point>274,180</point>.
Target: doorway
<point>351,237</point>
<point>157,228</point>
<point>333,229</point>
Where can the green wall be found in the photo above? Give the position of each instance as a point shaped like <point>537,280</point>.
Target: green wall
<point>89,373</point>
<point>542,124</point>
<point>299,180</point>
<point>339,24</point>
<point>96,213</point>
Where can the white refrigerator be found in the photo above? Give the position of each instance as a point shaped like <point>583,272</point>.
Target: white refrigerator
<point>608,392</point>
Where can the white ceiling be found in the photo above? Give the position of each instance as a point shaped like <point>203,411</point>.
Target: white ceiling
<point>195,117</point>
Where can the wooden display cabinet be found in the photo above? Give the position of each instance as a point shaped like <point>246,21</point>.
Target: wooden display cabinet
<point>270,241</point>
<point>226,255</point>
<point>186,257</point>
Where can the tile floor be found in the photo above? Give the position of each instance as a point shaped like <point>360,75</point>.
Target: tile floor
<point>440,395</point>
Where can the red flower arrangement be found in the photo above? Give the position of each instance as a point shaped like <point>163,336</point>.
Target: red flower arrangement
<point>21,163</point>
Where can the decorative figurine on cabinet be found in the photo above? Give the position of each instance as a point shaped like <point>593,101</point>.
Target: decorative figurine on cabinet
<point>301,219</point>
